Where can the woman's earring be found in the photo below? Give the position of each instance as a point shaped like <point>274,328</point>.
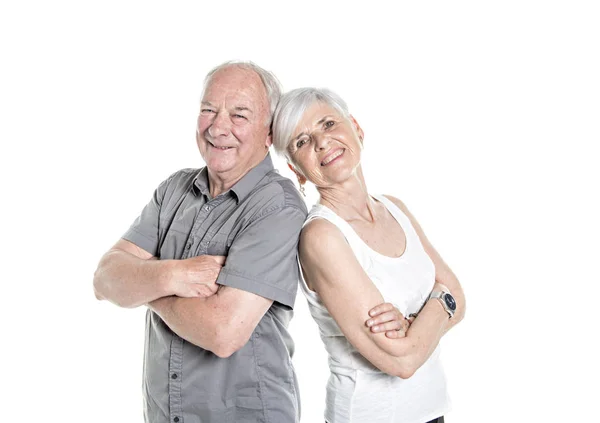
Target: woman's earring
<point>302,191</point>
<point>301,182</point>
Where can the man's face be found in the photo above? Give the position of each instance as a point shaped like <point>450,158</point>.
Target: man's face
<point>233,132</point>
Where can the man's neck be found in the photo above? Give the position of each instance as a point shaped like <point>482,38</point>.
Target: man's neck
<point>218,183</point>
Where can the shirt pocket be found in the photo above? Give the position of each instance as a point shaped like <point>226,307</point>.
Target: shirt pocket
<point>218,245</point>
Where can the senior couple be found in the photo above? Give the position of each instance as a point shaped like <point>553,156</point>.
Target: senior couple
<point>217,254</point>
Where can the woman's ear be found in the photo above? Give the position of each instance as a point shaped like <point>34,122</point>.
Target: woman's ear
<point>359,131</point>
<point>301,178</point>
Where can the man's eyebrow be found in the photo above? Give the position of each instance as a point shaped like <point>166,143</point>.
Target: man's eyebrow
<point>243,109</point>
<point>237,108</point>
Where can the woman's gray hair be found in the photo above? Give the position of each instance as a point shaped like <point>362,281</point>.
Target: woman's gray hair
<point>292,107</point>
<point>269,80</point>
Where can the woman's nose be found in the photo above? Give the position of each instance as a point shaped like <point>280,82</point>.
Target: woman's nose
<point>321,141</point>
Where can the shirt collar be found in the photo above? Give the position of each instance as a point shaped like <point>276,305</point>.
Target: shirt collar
<point>242,188</point>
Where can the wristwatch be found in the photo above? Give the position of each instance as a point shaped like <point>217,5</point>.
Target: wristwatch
<point>447,301</point>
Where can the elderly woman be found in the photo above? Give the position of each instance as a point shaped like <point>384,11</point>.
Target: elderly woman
<point>357,251</point>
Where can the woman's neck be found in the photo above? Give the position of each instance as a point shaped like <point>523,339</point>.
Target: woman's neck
<point>350,199</point>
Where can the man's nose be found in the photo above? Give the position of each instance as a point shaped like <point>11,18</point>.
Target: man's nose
<point>220,125</point>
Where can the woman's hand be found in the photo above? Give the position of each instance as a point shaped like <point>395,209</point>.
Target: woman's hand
<point>387,318</point>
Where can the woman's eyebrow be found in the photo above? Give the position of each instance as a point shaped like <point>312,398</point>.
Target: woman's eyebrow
<point>298,136</point>
<point>323,119</point>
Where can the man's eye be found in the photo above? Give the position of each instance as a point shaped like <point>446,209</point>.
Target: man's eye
<point>207,111</point>
<point>328,124</point>
<point>239,116</point>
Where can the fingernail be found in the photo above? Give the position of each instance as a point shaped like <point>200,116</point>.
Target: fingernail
<point>375,327</point>
<point>369,322</point>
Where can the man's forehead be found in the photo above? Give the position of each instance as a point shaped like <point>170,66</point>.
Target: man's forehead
<point>235,84</point>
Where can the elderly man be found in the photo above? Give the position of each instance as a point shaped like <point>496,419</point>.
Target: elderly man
<point>213,256</point>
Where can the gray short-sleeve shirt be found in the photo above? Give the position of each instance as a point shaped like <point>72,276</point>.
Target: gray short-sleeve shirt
<point>256,224</point>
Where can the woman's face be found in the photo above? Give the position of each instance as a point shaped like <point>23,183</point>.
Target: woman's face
<point>325,146</point>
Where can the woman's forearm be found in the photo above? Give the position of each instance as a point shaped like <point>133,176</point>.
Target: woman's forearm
<point>412,351</point>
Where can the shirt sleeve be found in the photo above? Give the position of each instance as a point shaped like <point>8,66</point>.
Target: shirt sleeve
<point>144,230</point>
<point>263,257</point>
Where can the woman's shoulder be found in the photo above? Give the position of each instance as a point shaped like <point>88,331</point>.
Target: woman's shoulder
<point>396,201</point>
<point>320,236</point>
<point>317,228</point>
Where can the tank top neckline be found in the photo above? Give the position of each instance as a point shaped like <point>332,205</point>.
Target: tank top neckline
<point>366,246</point>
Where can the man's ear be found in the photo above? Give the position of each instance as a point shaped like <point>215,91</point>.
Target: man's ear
<point>197,128</point>
<point>359,131</point>
<point>269,140</point>
<point>301,178</point>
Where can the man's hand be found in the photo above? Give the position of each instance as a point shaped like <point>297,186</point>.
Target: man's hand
<point>387,318</point>
<point>196,276</point>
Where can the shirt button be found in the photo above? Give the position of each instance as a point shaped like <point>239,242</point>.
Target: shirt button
<point>174,376</point>
<point>175,419</point>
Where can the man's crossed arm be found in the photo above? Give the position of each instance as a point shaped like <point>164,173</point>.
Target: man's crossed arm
<point>181,293</point>
<point>129,276</point>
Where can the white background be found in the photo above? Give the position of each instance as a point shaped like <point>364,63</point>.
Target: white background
<point>481,116</point>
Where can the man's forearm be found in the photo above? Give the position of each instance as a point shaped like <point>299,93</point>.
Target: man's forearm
<point>129,281</point>
<point>197,320</point>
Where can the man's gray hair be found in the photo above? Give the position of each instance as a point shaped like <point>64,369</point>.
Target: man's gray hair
<point>292,107</point>
<point>269,80</point>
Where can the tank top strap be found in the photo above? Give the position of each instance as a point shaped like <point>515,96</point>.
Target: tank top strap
<point>401,218</point>
<point>323,212</point>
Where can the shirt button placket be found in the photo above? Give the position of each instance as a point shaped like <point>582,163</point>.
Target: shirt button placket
<point>204,247</point>
<point>175,370</point>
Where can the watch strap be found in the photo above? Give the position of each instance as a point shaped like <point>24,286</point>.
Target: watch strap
<point>439,295</point>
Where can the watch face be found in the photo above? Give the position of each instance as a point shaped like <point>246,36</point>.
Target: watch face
<point>449,299</point>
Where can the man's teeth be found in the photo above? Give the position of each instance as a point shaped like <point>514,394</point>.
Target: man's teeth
<point>332,157</point>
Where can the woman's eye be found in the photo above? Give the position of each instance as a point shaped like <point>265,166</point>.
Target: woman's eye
<point>300,142</point>
<point>328,124</point>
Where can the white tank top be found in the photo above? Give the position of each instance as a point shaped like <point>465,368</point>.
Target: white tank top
<point>357,391</point>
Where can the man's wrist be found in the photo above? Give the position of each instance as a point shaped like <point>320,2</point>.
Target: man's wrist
<point>160,305</point>
<point>166,277</point>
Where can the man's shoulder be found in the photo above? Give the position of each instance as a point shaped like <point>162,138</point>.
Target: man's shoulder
<point>184,174</point>
<point>181,179</point>
<point>276,191</point>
